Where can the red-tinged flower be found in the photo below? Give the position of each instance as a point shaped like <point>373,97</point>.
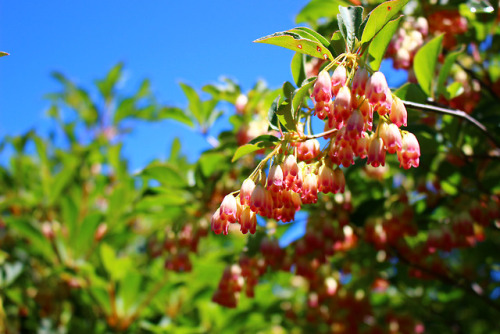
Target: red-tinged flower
<point>218,224</point>
<point>275,179</point>
<point>355,125</point>
<point>359,81</point>
<point>342,104</point>
<point>398,113</point>
<point>310,189</point>
<point>376,152</point>
<point>384,107</point>
<point>258,199</point>
<point>325,179</point>
<point>296,201</point>
<point>391,136</point>
<point>246,191</point>
<point>323,110</point>
<point>322,88</point>
<point>248,221</point>
<point>289,167</point>
<point>339,78</point>
<point>308,150</point>
<point>410,151</point>
<point>338,181</point>
<point>362,146</point>
<point>342,153</point>
<point>298,182</point>
<point>229,209</point>
<point>377,90</point>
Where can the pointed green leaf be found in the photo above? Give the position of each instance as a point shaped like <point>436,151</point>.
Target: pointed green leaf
<point>350,19</point>
<point>380,43</point>
<point>176,114</point>
<point>107,84</point>
<point>249,148</point>
<point>424,64</point>
<point>317,36</point>
<point>2,54</point>
<point>338,44</point>
<point>302,92</point>
<point>194,101</point>
<point>379,17</point>
<point>298,68</point>
<point>294,41</point>
<point>317,9</point>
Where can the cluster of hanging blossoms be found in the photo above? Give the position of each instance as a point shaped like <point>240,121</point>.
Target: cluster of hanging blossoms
<point>347,101</point>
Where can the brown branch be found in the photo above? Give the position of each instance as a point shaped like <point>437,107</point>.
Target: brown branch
<point>455,113</point>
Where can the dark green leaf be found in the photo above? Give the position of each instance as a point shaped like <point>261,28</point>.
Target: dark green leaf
<point>271,114</point>
<point>424,64</point>
<point>264,138</point>
<point>411,92</point>
<point>338,44</point>
<point>445,70</point>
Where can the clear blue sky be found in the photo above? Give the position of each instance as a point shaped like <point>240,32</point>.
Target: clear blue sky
<point>166,41</point>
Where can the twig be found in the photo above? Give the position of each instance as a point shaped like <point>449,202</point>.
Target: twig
<point>319,135</point>
<point>453,112</point>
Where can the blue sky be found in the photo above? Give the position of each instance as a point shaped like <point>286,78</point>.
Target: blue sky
<point>166,41</point>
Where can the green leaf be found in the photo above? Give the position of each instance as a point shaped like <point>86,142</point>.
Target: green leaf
<point>317,9</point>
<point>176,114</point>
<point>116,267</point>
<point>107,84</point>
<point>380,43</point>
<point>378,18</point>
<point>264,138</point>
<point>144,89</point>
<point>302,93</point>
<point>166,174</point>
<point>454,89</point>
<point>194,101</point>
<point>298,68</point>
<point>317,36</point>
<point>411,92</point>
<point>249,148</point>
<point>424,64</point>
<point>294,41</point>
<point>349,20</point>
<point>445,70</point>
<point>271,114</point>
<point>2,54</point>
<point>338,44</point>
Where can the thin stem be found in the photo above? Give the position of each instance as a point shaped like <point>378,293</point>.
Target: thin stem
<point>319,135</point>
<point>453,112</point>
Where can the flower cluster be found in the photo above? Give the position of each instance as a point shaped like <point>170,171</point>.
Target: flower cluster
<point>287,186</point>
<point>352,114</point>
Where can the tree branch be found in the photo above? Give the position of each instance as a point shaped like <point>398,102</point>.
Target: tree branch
<point>455,113</point>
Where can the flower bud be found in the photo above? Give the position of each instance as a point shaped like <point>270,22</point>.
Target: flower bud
<point>410,151</point>
<point>275,179</point>
<point>323,88</point>
<point>228,209</point>
<point>378,92</point>
<point>359,81</point>
<point>246,191</point>
<point>248,221</point>
<point>339,79</point>
<point>391,136</point>
<point>398,114</point>
<point>376,152</point>
<point>308,150</point>
<point>325,179</point>
<point>342,104</point>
